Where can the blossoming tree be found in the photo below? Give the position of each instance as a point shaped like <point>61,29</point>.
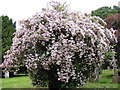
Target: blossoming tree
<point>59,47</point>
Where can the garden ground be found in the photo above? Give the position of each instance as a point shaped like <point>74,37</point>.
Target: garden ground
<point>105,81</point>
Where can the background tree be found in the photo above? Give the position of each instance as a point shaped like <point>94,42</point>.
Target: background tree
<point>8,28</point>
<point>116,8</point>
<point>114,22</point>
<point>105,11</point>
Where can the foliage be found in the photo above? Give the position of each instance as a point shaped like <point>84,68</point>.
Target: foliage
<point>117,49</point>
<point>109,55</point>
<point>58,6</point>
<point>8,28</point>
<point>116,8</point>
<point>114,22</point>
<point>60,47</point>
<point>105,11</point>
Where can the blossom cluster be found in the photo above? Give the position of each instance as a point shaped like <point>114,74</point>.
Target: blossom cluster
<point>73,43</point>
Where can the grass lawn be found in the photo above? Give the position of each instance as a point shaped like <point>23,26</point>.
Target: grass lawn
<point>17,82</point>
<point>105,81</point>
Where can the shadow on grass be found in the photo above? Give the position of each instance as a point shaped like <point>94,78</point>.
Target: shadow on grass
<point>109,76</point>
<point>21,75</point>
<point>102,82</point>
<point>18,75</point>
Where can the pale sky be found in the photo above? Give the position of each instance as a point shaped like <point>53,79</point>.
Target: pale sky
<point>22,9</point>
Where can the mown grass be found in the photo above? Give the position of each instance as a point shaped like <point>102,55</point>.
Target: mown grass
<point>105,81</point>
<point>17,82</point>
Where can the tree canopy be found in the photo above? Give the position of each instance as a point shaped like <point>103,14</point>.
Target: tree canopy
<point>105,11</point>
<point>8,28</point>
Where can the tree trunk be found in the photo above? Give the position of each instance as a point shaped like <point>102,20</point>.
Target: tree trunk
<point>53,84</point>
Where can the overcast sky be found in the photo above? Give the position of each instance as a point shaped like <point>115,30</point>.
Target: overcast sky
<point>22,9</point>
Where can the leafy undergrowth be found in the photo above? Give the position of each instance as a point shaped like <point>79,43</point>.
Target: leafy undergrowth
<point>105,81</point>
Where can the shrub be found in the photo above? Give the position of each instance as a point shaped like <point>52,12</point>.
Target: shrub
<point>59,47</point>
